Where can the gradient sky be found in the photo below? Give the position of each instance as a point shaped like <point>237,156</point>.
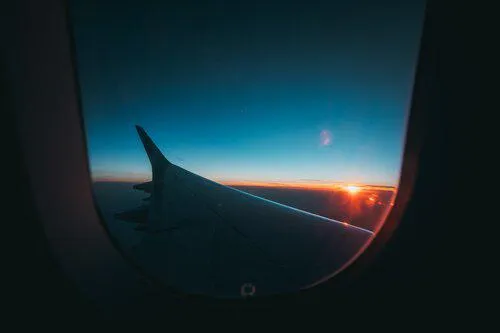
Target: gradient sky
<point>249,90</point>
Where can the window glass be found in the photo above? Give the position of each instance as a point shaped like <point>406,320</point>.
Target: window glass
<point>270,135</point>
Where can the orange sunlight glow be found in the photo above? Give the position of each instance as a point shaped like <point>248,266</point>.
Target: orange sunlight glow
<point>326,186</point>
<point>352,189</point>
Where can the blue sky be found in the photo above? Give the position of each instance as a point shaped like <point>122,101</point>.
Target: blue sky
<point>244,92</point>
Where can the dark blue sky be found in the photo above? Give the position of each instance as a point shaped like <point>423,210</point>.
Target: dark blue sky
<point>244,90</point>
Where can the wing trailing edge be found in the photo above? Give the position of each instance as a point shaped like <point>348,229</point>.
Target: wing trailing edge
<point>137,215</point>
<point>145,187</point>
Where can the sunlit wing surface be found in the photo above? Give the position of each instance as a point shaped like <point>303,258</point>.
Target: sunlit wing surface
<point>202,237</point>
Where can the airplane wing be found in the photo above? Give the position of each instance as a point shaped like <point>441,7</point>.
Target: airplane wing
<point>202,237</point>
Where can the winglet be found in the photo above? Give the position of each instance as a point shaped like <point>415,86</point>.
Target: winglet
<point>155,155</point>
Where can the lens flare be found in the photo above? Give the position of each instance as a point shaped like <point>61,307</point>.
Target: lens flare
<point>325,137</point>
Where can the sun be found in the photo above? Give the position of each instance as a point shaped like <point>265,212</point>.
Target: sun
<point>352,189</point>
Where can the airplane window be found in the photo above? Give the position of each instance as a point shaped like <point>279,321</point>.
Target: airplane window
<point>245,148</point>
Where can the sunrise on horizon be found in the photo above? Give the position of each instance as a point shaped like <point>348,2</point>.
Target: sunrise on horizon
<point>346,186</point>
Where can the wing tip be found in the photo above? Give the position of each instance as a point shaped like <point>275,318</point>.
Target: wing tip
<point>154,153</point>
<point>139,128</point>
<point>142,133</point>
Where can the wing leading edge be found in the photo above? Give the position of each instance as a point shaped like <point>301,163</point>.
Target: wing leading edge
<point>206,238</point>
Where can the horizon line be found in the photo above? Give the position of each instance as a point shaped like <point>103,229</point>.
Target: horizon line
<point>303,184</point>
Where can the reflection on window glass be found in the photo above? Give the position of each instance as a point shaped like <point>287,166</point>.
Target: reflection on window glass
<point>245,148</point>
